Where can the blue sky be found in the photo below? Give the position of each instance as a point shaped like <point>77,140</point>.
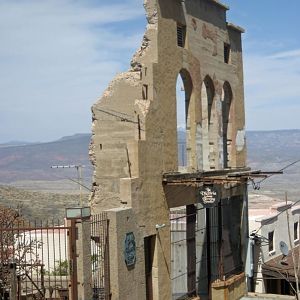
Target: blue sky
<point>57,57</point>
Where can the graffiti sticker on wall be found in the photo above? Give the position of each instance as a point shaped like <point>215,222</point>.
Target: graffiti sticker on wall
<point>129,249</point>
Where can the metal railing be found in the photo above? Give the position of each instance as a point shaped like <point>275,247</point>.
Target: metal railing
<point>34,260</point>
<point>100,257</point>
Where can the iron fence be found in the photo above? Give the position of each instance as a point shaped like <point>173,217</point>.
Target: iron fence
<point>205,246</point>
<point>38,260</point>
<point>100,257</point>
<point>34,261</point>
<point>178,252</point>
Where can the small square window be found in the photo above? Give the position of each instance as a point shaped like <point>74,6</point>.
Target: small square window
<point>296,236</point>
<point>226,53</point>
<point>271,241</point>
<point>181,32</point>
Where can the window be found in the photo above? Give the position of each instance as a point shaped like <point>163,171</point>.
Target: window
<point>181,31</point>
<point>271,241</point>
<point>226,53</point>
<point>296,237</point>
<point>145,92</point>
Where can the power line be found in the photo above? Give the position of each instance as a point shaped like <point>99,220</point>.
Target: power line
<point>266,222</point>
<point>114,111</point>
<point>119,114</point>
<point>73,180</point>
<point>256,185</point>
<point>79,172</point>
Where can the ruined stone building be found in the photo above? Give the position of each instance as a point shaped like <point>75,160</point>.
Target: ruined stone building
<point>137,179</point>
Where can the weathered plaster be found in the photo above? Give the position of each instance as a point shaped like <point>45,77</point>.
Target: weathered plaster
<point>240,139</point>
<point>211,34</point>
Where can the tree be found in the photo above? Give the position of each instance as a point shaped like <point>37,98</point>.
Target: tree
<point>15,248</point>
<point>8,219</point>
<point>61,268</point>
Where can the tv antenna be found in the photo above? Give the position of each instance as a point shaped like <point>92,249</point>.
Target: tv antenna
<point>79,175</point>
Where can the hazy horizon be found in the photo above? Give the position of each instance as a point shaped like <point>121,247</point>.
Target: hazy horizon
<point>15,142</point>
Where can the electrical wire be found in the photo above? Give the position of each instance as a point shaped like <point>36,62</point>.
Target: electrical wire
<point>73,180</point>
<point>122,118</point>
<point>289,206</point>
<point>257,185</point>
<point>118,112</point>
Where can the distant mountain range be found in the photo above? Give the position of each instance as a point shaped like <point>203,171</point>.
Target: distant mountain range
<point>267,150</point>
<point>15,143</point>
<point>266,147</point>
<point>273,151</point>
<point>34,161</point>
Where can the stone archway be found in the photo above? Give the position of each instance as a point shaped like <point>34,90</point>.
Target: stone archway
<point>184,83</point>
<point>227,123</point>
<point>207,100</point>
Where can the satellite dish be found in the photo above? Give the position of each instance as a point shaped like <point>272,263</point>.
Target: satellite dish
<point>284,248</point>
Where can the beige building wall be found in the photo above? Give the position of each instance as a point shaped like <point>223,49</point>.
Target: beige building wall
<point>134,128</point>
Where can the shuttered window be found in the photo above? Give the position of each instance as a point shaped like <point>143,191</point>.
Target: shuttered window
<point>181,31</point>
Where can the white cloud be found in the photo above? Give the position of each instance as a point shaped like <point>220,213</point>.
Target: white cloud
<point>56,57</point>
<point>272,89</point>
<point>287,54</point>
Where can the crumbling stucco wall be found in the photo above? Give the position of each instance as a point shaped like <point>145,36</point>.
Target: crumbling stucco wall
<point>134,126</point>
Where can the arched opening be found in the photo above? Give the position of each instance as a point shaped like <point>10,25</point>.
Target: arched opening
<point>180,245</point>
<point>226,122</point>
<point>207,99</point>
<point>183,95</point>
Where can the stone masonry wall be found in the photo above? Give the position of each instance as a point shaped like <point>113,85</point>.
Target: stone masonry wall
<point>134,126</point>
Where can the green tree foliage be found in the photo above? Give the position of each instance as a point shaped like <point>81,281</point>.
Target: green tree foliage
<point>61,268</point>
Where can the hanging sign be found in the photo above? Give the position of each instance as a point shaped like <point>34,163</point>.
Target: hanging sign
<point>208,196</point>
<point>129,249</point>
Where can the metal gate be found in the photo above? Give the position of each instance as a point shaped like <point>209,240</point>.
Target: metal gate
<point>38,260</point>
<point>34,261</point>
<point>205,245</point>
<point>100,257</point>
<point>183,251</point>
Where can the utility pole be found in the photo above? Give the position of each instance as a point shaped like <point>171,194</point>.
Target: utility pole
<point>79,176</point>
<point>292,249</point>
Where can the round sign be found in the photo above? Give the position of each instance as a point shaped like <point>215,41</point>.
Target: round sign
<point>208,196</point>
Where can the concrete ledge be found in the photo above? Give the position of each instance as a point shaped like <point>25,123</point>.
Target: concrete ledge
<point>233,288</point>
<point>224,6</point>
<point>266,296</point>
<point>228,282</point>
<point>295,209</point>
<point>235,27</point>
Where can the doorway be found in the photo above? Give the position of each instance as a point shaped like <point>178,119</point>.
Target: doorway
<point>149,247</point>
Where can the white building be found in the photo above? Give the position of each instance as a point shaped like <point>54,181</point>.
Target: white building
<point>45,247</point>
<point>270,236</point>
